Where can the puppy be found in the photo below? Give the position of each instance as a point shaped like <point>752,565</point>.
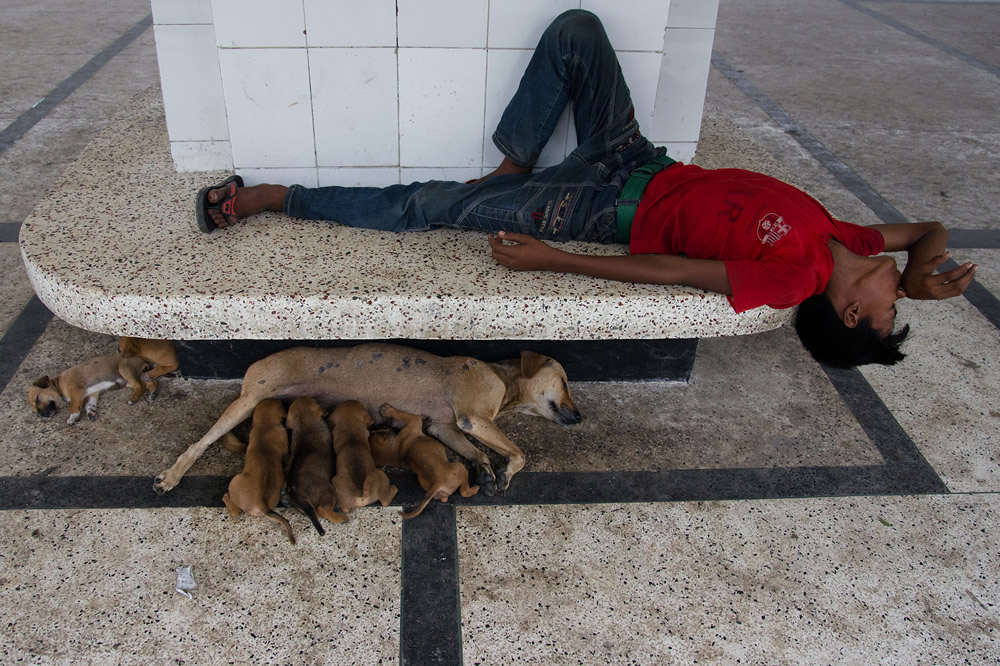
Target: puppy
<point>81,384</point>
<point>410,448</point>
<point>358,481</point>
<point>257,489</point>
<point>461,396</point>
<point>160,354</point>
<point>311,465</point>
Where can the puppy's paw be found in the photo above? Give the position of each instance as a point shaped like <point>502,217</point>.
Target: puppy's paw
<point>132,402</point>
<point>152,395</point>
<point>145,377</point>
<point>486,481</point>
<point>92,414</point>
<point>73,418</point>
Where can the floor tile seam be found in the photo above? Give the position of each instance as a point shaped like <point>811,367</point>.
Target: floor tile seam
<point>23,123</point>
<point>926,39</point>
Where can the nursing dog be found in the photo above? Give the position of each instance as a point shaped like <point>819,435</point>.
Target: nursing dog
<point>81,384</point>
<point>459,395</point>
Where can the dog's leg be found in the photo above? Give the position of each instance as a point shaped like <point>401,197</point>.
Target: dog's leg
<point>75,407</point>
<point>236,413</point>
<point>460,444</point>
<point>90,406</point>
<point>158,371</point>
<point>328,512</point>
<point>486,432</point>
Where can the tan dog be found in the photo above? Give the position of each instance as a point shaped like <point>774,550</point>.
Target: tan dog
<point>411,449</point>
<point>160,354</point>
<point>358,481</point>
<point>460,395</point>
<point>257,489</point>
<point>311,465</point>
<point>81,384</point>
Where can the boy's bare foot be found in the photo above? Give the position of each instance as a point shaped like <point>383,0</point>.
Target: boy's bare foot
<point>245,201</point>
<point>506,167</point>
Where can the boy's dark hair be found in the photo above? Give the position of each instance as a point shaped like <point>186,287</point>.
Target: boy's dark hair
<point>833,343</point>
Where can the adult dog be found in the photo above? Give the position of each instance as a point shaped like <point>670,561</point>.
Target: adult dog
<point>458,394</point>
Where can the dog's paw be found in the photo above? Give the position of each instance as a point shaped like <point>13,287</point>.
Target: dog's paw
<point>161,484</point>
<point>145,377</point>
<point>73,418</point>
<point>92,414</point>
<point>486,481</point>
<point>503,481</point>
<point>152,395</point>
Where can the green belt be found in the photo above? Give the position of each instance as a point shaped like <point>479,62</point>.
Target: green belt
<point>636,184</point>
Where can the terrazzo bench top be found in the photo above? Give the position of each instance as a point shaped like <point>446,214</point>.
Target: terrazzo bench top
<point>113,248</point>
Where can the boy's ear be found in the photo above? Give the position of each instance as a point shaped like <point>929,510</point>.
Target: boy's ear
<point>852,315</point>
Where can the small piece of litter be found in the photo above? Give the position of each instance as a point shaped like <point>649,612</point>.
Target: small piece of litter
<point>185,581</point>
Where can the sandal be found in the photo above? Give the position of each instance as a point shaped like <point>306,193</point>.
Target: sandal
<point>226,206</point>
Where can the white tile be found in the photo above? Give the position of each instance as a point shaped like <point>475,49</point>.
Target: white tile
<point>443,23</point>
<point>267,97</point>
<point>636,25</point>
<point>518,24</point>
<point>182,11</point>
<point>680,95</point>
<point>682,151</point>
<point>642,72</point>
<point>424,174</point>
<point>441,106</point>
<point>355,106</point>
<point>191,83</point>
<point>368,177</point>
<point>504,70</point>
<point>350,23</point>
<point>201,155</point>
<point>304,176</point>
<point>693,13</point>
<point>258,23</point>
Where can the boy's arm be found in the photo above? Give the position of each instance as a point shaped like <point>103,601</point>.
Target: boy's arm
<point>527,253</point>
<point>925,244</point>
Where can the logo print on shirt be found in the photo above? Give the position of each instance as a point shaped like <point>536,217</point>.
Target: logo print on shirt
<point>772,228</point>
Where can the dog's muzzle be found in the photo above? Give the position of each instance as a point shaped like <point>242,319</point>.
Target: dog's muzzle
<point>48,410</point>
<point>566,415</point>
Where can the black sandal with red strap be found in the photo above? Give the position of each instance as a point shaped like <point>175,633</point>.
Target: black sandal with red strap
<point>226,206</point>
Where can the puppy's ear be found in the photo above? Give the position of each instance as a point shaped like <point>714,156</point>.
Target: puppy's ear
<point>532,362</point>
<point>42,382</point>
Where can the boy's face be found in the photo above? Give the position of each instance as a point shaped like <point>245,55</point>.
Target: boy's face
<point>879,289</point>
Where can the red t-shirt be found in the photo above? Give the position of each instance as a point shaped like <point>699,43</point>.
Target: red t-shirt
<point>772,237</point>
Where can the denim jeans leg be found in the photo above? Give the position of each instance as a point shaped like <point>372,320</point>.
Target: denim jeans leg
<point>573,60</point>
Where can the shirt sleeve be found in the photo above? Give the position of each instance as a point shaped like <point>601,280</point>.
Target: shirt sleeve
<point>863,241</point>
<point>774,281</point>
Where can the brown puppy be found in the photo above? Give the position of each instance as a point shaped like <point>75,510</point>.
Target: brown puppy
<point>257,489</point>
<point>461,396</point>
<point>411,449</point>
<point>160,354</point>
<point>358,481</point>
<point>81,384</point>
<point>311,464</point>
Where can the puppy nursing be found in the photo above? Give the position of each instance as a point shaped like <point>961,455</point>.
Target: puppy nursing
<point>257,489</point>
<point>312,465</point>
<point>358,481</point>
<point>411,449</point>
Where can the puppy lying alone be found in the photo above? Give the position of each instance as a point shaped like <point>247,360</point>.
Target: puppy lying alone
<point>411,449</point>
<point>256,490</point>
<point>81,384</point>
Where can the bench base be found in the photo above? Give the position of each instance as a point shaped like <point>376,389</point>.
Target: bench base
<point>583,360</point>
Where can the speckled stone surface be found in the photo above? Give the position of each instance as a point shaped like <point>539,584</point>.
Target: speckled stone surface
<point>70,596</point>
<point>891,580</point>
<point>114,249</point>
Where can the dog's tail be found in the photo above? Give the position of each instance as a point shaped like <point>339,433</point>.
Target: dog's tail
<point>277,517</point>
<point>434,493</point>
<point>234,443</point>
<point>331,515</point>
<point>309,510</point>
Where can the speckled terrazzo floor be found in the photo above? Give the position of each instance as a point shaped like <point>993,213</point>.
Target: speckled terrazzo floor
<point>767,512</point>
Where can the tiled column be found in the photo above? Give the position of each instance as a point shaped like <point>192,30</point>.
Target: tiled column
<point>384,91</point>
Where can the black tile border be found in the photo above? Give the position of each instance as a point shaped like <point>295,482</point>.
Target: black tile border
<point>9,231</point>
<point>10,134</point>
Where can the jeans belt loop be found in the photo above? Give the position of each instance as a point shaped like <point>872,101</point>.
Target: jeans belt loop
<point>636,184</point>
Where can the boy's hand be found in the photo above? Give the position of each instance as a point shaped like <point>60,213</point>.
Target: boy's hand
<point>521,252</point>
<point>923,282</point>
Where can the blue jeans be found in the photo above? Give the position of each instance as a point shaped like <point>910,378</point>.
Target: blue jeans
<point>574,200</point>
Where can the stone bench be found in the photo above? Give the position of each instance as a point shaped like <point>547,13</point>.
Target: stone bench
<point>113,248</point>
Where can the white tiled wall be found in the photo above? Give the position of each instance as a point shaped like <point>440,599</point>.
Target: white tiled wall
<point>385,91</point>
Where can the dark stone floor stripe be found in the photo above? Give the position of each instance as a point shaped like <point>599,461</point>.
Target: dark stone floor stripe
<point>21,337</point>
<point>39,111</point>
<point>916,34</point>
<point>987,239</point>
<point>9,231</point>
<point>430,620</point>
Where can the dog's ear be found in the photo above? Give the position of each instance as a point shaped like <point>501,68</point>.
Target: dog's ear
<point>532,362</point>
<point>125,347</point>
<point>42,382</point>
